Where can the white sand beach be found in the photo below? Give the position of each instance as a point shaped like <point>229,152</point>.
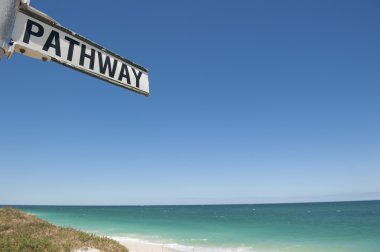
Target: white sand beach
<point>138,245</point>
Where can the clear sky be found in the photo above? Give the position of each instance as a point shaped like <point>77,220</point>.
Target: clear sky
<point>251,101</point>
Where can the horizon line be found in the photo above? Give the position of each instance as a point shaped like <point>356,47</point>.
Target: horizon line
<point>207,204</point>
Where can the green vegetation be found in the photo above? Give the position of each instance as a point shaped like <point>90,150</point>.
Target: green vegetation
<point>23,232</point>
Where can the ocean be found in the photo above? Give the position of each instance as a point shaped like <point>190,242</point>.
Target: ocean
<point>306,227</point>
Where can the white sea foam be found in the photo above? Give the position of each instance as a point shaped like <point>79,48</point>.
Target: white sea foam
<point>199,239</point>
<point>140,245</point>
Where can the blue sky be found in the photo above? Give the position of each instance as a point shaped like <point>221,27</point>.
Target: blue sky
<point>251,101</point>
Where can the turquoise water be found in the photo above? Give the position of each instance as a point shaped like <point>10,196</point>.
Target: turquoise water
<point>346,226</point>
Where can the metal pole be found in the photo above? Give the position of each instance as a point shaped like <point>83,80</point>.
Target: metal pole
<point>7,15</point>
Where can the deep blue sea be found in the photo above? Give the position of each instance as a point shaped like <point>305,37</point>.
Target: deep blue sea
<point>322,227</point>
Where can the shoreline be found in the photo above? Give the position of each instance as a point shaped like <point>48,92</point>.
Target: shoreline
<point>140,245</point>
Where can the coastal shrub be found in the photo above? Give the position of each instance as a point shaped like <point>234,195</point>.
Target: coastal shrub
<point>21,232</point>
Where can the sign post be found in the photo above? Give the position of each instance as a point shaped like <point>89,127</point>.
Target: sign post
<point>7,14</point>
<point>37,35</point>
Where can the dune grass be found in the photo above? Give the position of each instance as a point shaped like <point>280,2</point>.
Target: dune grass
<point>23,232</point>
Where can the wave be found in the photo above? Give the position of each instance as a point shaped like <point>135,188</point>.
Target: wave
<point>140,245</point>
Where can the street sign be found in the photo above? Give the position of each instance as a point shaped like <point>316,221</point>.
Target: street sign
<point>37,35</point>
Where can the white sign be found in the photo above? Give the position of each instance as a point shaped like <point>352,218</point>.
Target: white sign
<point>38,36</point>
